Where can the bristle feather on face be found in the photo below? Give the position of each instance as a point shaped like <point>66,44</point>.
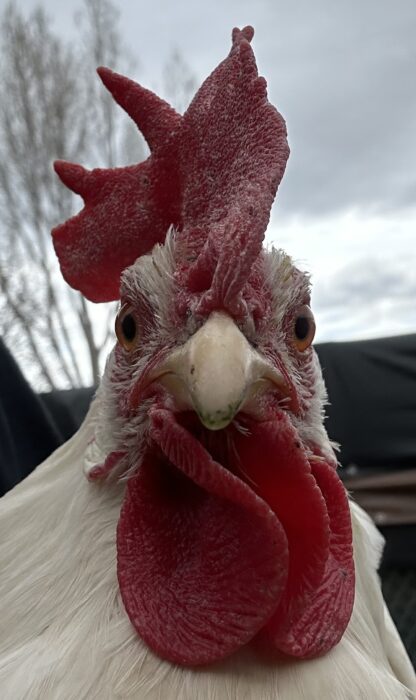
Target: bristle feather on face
<point>152,281</point>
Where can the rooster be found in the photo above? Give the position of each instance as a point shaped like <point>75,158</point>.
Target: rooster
<point>212,551</point>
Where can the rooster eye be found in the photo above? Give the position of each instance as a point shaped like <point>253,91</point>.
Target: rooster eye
<point>304,328</point>
<point>126,328</point>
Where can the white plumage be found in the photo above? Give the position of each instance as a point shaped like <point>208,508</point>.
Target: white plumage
<point>65,634</point>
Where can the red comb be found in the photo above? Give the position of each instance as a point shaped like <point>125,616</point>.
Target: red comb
<point>127,210</point>
<point>233,157</point>
<point>213,174</point>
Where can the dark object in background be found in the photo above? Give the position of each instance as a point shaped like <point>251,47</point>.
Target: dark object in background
<point>32,426</point>
<point>372,391</point>
<point>68,408</point>
<point>28,434</point>
<point>372,414</point>
<point>399,591</point>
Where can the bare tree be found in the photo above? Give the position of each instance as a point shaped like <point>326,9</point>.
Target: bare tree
<point>179,83</point>
<point>50,107</point>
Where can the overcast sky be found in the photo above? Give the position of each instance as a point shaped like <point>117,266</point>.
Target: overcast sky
<point>343,74</point>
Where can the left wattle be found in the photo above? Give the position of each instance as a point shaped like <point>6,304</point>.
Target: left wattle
<point>212,556</point>
<point>311,503</point>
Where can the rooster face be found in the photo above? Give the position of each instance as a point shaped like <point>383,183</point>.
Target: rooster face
<point>219,367</point>
<point>234,526</point>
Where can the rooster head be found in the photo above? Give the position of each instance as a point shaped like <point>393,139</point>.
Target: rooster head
<point>235,527</point>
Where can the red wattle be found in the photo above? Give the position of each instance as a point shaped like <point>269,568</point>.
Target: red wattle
<point>323,621</point>
<point>311,503</point>
<point>202,561</point>
<point>280,473</point>
<point>210,558</point>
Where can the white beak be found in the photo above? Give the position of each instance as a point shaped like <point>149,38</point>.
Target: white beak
<point>217,373</point>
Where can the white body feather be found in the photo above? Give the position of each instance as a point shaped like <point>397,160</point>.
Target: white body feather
<point>65,635</point>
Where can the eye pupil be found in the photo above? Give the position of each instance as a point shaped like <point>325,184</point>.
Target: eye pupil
<point>302,327</point>
<point>128,326</point>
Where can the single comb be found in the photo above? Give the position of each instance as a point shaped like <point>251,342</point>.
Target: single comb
<point>234,159</point>
<point>212,174</point>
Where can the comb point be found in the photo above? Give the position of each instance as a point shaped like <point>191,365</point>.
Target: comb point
<point>72,175</point>
<point>246,33</point>
<point>153,116</point>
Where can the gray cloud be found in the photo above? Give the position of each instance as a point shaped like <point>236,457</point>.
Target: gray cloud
<point>369,279</point>
<point>367,297</point>
<point>342,74</point>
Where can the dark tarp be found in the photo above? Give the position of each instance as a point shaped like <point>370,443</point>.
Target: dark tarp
<point>372,390</point>
<point>28,434</point>
<point>372,414</point>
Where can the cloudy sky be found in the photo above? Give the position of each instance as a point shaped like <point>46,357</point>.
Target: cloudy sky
<point>343,74</point>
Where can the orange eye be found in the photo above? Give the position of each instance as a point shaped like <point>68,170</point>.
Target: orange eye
<point>126,328</point>
<point>304,328</point>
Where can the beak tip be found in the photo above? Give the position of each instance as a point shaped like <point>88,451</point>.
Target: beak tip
<point>217,419</point>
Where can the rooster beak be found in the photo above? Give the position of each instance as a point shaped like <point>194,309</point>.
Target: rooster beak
<point>218,373</point>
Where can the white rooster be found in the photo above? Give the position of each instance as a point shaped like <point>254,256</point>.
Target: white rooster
<point>212,552</point>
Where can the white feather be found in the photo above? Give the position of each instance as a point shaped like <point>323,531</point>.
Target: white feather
<point>65,635</point>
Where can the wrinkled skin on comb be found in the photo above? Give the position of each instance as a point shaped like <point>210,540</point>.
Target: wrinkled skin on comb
<point>212,174</point>
<point>127,210</point>
<point>239,146</point>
